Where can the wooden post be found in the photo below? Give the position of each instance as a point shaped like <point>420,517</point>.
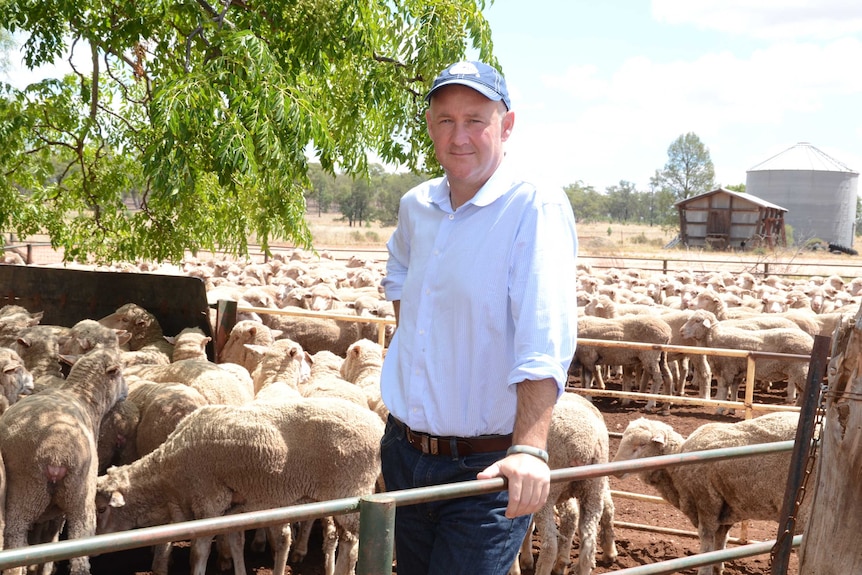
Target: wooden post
<point>831,542</point>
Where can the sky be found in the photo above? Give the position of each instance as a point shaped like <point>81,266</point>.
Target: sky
<point>601,89</point>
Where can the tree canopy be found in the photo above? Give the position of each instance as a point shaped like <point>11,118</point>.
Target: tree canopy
<point>689,170</point>
<point>193,126</point>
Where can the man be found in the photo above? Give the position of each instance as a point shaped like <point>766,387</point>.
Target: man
<point>481,271</point>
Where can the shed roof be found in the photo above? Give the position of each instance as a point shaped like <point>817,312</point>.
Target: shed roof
<point>745,197</point>
<point>802,156</point>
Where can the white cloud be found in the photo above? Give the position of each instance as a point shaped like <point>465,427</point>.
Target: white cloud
<point>626,118</point>
<point>770,19</point>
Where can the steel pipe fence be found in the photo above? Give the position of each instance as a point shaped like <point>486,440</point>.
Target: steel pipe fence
<point>375,555</point>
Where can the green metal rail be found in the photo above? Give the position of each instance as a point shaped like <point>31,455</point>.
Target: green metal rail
<point>377,515</point>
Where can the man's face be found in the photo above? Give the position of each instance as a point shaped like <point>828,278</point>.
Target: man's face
<point>468,131</point>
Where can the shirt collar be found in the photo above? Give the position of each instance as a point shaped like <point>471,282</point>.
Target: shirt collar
<point>497,185</point>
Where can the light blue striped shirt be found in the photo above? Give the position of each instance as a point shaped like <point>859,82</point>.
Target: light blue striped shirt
<point>488,300</point>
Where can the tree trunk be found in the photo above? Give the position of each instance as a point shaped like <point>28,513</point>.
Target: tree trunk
<point>831,542</point>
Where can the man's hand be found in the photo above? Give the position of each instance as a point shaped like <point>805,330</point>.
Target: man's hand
<point>529,480</point>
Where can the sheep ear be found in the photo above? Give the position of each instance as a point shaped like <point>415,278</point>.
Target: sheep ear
<point>658,438</point>
<point>117,499</point>
<point>123,336</point>
<point>257,349</point>
<point>707,323</point>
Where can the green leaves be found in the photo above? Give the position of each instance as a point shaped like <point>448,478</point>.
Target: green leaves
<point>206,115</point>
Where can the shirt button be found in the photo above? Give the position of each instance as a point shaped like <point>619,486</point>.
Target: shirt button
<point>421,332</point>
<point>451,216</point>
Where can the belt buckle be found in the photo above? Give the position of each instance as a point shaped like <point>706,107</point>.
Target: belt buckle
<point>433,444</point>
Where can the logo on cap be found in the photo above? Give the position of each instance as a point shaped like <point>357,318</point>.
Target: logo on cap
<point>464,68</point>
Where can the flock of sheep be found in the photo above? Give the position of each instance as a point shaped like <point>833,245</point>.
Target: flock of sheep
<point>716,310</point>
<point>111,424</point>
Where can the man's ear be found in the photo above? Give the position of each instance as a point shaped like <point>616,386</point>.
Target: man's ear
<point>508,124</point>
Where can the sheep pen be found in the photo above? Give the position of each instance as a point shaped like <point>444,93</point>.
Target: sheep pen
<point>636,547</point>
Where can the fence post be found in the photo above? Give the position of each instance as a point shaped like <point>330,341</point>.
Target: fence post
<point>376,535</point>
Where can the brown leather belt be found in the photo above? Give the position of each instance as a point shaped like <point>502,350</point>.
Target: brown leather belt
<point>453,446</point>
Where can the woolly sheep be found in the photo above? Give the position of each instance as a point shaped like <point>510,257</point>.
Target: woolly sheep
<point>117,440</point>
<point>316,334</point>
<point>707,331</point>
<point>246,332</point>
<point>643,329</point>
<point>16,381</point>
<point>161,406</point>
<point>145,330</point>
<point>48,444</point>
<point>88,334</point>
<point>324,363</point>
<point>362,366</point>
<point>13,319</point>
<point>39,349</point>
<point>284,360</point>
<point>190,343</point>
<point>220,386</point>
<point>716,495</point>
<point>305,450</point>
<point>577,436</point>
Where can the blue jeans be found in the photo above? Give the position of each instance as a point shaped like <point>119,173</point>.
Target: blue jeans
<point>467,535</point>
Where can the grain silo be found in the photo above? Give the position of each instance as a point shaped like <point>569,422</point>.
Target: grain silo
<point>818,191</point>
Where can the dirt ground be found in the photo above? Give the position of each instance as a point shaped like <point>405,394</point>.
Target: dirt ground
<point>636,546</point>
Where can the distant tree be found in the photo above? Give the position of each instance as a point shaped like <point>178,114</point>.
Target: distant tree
<point>689,170</point>
<point>588,204</point>
<point>322,189</point>
<point>621,202</point>
<point>392,188</point>
<point>736,188</point>
<point>662,207</point>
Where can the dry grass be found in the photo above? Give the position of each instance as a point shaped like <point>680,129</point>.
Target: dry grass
<point>622,245</point>
<point>330,231</point>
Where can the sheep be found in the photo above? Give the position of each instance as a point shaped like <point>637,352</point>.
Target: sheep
<point>13,319</point>
<point>716,495</point>
<point>643,329</point>
<point>362,367</point>
<point>39,349</point>
<point>117,440</point>
<point>16,381</point>
<point>323,364</point>
<point>602,306</point>
<point>217,383</point>
<point>577,436</point>
<point>146,332</point>
<point>89,333</point>
<point>190,343</point>
<point>161,406</point>
<point>284,360</point>
<point>707,331</point>
<point>317,334</point>
<point>48,444</point>
<point>246,332</point>
<point>301,450</point>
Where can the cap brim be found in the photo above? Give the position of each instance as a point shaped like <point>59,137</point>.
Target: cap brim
<point>478,86</point>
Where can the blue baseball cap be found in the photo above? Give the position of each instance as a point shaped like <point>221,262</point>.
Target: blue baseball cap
<point>481,77</point>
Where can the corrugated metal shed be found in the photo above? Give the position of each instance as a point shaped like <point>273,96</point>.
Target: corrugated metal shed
<point>818,191</point>
<point>724,219</point>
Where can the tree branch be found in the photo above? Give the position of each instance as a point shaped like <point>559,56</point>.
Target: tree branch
<point>94,84</point>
